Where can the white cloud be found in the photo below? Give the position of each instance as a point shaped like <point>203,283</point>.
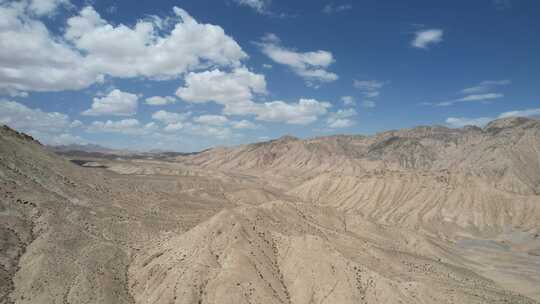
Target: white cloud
<point>159,100</point>
<point>173,127</point>
<point>47,126</point>
<point>34,59</point>
<point>209,131</point>
<point>234,90</point>
<point>124,51</point>
<point>485,86</point>
<point>20,117</point>
<point>348,100</point>
<point>332,8</point>
<point>341,119</point>
<point>243,124</point>
<point>116,103</point>
<point>311,66</point>
<point>212,120</point>
<point>458,122</point>
<point>260,6</point>
<point>425,38</point>
<point>46,7</point>
<point>521,113</point>
<point>170,117</point>
<point>304,112</point>
<point>267,66</point>
<point>473,97</point>
<point>128,126</point>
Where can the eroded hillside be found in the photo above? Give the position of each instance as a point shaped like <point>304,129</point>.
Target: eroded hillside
<point>422,215</point>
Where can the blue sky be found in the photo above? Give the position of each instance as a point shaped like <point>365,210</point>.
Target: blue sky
<point>186,75</point>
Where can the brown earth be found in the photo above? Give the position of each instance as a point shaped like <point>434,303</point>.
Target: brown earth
<point>422,215</point>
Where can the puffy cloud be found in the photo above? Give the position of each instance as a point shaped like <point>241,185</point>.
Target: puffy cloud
<point>311,66</point>
<point>485,86</point>
<point>304,112</point>
<point>46,7</point>
<point>128,126</point>
<point>33,59</point>
<point>123,51</point>
<point>212,120</point>
<point>341,119</point>
<point>425,38</point>
<point>170,117</point>
<point>260,6</point>
<point>208,131</point>
<point>116,103</point>
<point>159,100</point>
<point>332,8</point>
<point>23,118</point>
<point>243,124</point>
<point>234,90</point>
<point>49,127</point>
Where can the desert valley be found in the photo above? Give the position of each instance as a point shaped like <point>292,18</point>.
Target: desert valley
<point>422,215</point>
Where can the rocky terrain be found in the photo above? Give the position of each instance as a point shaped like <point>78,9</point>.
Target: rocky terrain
<point>421,215</point>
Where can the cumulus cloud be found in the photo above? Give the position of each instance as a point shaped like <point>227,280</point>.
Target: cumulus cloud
<point>159,100</point>
<point>333,8</point>
<point>47,126</point>
<point>485,86</point>
<point>243,124</point>
<point>212,120</point>
<point>116,103</point>
<point>21,117</point>
<point>341,119</point>
<point>305,111</point>
<point>34,59</point>
<point>261,6</point>
<point>424,38</point>
<point>140,50</point>
<point>234,90</point>
<point>128,126</point>
<point>170,117</point>
<point>46,7</point>
<point>311,66</point>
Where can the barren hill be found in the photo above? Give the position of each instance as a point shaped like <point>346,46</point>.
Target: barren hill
<point>422,215</point>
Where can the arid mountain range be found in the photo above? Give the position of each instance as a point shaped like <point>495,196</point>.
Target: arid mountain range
<point>421,215</point>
